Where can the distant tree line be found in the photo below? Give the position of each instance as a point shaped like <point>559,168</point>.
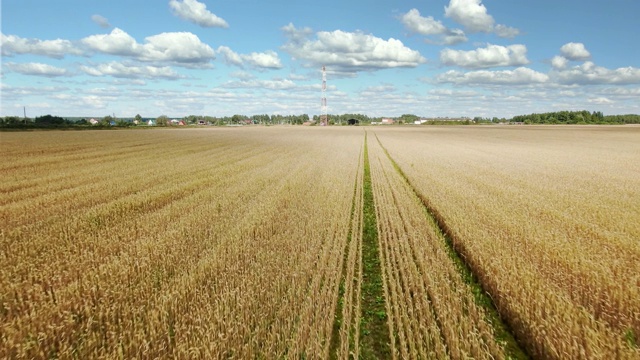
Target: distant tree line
<point>558,117</point>
<point>576,117</point>
<point>57,122</point>
<point>40,121</point>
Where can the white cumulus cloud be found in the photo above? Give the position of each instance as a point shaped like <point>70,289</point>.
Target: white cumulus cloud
<point>264,60</point>
<point>196,12</point>
<point>182,48</point>
<point>473,15</point>
<point>57,49</point>
<point>575,51</point>
<point>278,84</point>
<point>230,57</point>
<point>559,62</point>
<point>454,36</point>
<point>267,60</point>
<point>118,42</point>
<point>590,73</point>
<point>491,56</point>
<point>518,76</point>
<point>414,22</point>
<point>120,70</point>
<point>428,26</point>
<point>37,69</point>
<point>349,52</point>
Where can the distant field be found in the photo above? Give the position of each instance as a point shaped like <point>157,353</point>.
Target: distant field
<point>310,242</point>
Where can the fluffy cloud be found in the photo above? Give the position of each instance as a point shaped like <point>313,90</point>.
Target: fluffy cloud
<point>473,15</point>
<point>118,42</point>
<point>268,60</point>
<point>421,25</point>
<point>37,69</point>
<point>282,84</point>
<point>428,26</point>
<point>196,12</point>
<point>575,51</point>
<point>589,73</point>
<point>264,60</point>
<point>349,52</point>
<point>120,70</point>
<point>57,49</point>
<point>101,21</point>
<point>559,62</point>
<point>491,56</point>
<point>230,56</point>
<point>182,48</point>
<point>518,76</point>
<point>454,36</point>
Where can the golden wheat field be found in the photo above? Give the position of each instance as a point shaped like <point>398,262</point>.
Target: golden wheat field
<point>414,242</point>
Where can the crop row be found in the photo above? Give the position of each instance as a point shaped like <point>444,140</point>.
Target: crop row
<point>432,311</point>
<point>209,250</point>
<point>548,220</point>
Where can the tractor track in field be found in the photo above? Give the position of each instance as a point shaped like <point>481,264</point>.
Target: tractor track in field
<point>375,338</point>
<point>514,349</point>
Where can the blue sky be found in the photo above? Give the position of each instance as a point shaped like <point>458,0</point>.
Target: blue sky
<point>383,58</point>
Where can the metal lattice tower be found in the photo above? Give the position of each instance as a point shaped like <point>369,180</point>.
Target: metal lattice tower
<point>324,119</point>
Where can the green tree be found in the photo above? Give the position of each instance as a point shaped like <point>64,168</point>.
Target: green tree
<point>49,120</point>
<point>162,120</point>
<point>191,119</point>
<point>237,119</point>
<point>408,118</point>
<point>106,121</point>
<point>13,120</point>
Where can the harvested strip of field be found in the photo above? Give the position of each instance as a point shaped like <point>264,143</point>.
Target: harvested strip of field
<point>548,218</point>
<point>432,311</point>
<point>214,243</point>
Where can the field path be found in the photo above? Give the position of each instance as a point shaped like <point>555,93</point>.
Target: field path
<point>431,307</point>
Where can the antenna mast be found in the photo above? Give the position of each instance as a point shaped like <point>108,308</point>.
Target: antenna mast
<point>324,119</point>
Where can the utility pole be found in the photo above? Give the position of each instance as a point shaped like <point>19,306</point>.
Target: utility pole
<point>324,119</point>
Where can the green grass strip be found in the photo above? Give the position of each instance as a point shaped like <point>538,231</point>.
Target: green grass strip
<point>374,333</point>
